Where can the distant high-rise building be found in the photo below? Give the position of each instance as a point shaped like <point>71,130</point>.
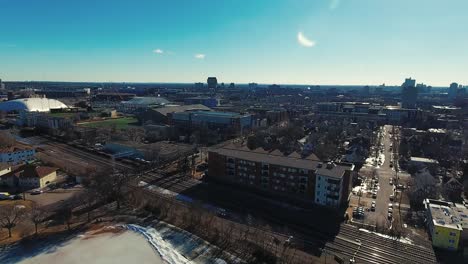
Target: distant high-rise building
<point>409,83</point>
<point>199,85</point>
<point>2,85</point>
<point>253,85</point>
<point>232,86</point>
<point>212,82</point>
<point>409,94</point>
<point>422,88</point>
<point>366,89</point>
<point>453,91</point>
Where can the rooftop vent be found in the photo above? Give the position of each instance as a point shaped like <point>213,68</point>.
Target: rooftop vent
<point>330,165</point>
<point>319,165</point>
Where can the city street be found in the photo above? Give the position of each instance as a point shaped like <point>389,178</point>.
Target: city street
<point>384,170</point>
<point>385,173</point>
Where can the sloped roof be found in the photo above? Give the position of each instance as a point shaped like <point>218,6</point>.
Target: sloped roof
<point>312,157</point>
<point>31,171</point>
<point>295,155</point>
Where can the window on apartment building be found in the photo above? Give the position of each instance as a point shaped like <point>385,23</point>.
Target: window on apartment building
<point>453,234</point>
<point>451,241</point>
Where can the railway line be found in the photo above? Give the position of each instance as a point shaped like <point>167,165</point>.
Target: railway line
<point>377,249</point>
<point>350,242</point>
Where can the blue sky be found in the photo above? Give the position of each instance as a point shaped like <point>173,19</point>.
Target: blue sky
<point>264,41</point>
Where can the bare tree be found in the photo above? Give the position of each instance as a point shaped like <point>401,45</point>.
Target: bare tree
<point>6,139</point>
<point>112,185</point>
<point>88,198</point>
<point>65,213</point>
<point>135,134</point>
<point>36,215</point>
<point>11,215</point>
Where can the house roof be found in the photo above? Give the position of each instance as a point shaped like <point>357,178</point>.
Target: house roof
<point>31,171</point>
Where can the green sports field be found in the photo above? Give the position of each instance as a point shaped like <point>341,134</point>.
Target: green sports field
<point>120,123</point>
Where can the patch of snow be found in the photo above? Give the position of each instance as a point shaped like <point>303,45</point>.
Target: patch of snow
<point>165,250</point>
<point>403,239</point>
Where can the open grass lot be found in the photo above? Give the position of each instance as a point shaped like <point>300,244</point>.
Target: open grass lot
<point>120,123</point>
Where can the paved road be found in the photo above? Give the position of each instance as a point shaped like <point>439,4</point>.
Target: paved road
<point>385,173</point>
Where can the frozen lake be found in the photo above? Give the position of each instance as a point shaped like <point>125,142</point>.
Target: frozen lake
<point>121,244</point>
<point>105,248</point>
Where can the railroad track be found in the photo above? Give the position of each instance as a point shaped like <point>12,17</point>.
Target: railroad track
<point>373,248</point>
<point>377,249</point>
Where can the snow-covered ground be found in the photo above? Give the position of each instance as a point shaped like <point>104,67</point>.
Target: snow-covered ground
<point>177,246</point>
<point>106,248</point>
<point>161,243</point>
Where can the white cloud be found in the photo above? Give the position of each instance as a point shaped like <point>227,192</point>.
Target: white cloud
<point>334,4</point>
<point>158,51</point>
<point>199,56</point>
<point>304,41</point>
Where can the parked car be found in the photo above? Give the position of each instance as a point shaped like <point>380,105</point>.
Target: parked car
<point>392,197</point>
<point>389,216</point>
<point>36,192</point>
<point>17,197</point>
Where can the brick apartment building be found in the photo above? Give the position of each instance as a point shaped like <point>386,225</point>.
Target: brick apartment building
<point>307,179</point>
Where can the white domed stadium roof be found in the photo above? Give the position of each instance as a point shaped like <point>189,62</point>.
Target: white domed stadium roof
<point>32,105</point>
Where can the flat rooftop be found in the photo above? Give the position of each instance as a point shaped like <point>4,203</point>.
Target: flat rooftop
<point>448,214</point>
<point>423,160</point>
<point>277,158</point>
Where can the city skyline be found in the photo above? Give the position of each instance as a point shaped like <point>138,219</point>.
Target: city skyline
<point>329,42</point>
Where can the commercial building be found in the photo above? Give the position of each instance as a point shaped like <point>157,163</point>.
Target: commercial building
<point>447,223</point>
<point>43,120</point>
<point>138,103</point>
<point>409,94</point>
<point>61,92</point>
<point>306,179</point>
<point>16,155</point>
<point>223,121</point>
<point>203,100</point>
<point>163,115</point>
<point>29,177</point>
<point>368,111</point>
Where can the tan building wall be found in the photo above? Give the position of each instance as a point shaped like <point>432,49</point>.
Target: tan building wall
<point>44,181</point>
